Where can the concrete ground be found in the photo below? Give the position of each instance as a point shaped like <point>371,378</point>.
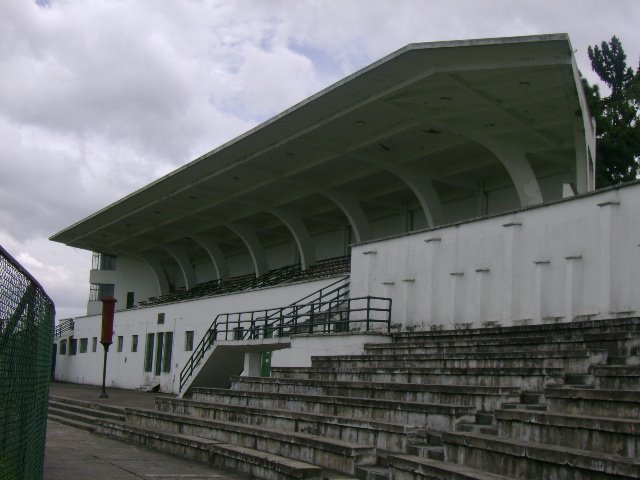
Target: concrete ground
<point>71,453</point>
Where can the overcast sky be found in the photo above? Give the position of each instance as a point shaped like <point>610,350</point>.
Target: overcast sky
<point>100,97</point>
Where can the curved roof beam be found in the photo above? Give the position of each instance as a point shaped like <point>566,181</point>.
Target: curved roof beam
<point>215,254</point>
<point>420,185</point>
<point>183,261</point>
<point>300,235</point>
<point>514,159</point>
<point>158,272</point>
<point>350,206</point>
<point>256,250</point>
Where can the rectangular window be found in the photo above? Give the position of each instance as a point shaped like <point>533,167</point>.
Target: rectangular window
<point>94,344</point>
<point>63,347</point>
<point>120,342</point>
<point>134,343</point>
<point>161,319</point>
<point>73,346</point>
<point>148,353</point>
<point>188,341</point>
<point>83,345</point>
<point>168,347</point>
<point>131,299</point>
<point>159,349</point>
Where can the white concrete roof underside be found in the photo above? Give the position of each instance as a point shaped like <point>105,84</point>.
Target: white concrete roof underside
<point>425,125</point>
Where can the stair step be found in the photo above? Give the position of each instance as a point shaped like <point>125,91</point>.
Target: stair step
<point>412,467</point>
<point>372,473</point>
<point>599,402</point>
<point>524,406</point>
<point>330,453</point>
<point>619,436</point>
<point>476,428</point>
<point>88,426</point>
<point>508,456</point>
<point>245,460</point>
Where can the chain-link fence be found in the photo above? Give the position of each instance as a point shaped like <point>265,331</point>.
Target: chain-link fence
<point>26,341</point>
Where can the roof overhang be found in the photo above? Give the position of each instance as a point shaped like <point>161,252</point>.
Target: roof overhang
<point>429,110</point>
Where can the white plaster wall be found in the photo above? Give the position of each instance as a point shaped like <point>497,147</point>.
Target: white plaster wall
<point>126,369</point>
<point>303,347</point>
<point>571,259</point>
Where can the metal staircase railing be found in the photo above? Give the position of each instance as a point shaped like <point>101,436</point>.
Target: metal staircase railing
<point>326,310</point>
<point>64,326</point>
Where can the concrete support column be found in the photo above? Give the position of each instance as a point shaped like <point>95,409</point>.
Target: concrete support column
<point>300,235</point>
<point>215,254</point>
<point>352,209</point>
<point>572,279</point>
<point>607,226</point>
<point>184,263</point>
<point>524,179</point>
<point>159,274</point>
<point>509,287</point>
<point>433,246</point>
<point>481,279</point>
<point>256,250</point>
<point>252,364</point>
<point>454,292</point>
<point>540,292</point>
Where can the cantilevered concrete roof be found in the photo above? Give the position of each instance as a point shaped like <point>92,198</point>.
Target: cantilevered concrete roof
<point>429,123</point>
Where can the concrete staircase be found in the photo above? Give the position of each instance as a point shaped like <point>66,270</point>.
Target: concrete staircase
<point>555,401</point>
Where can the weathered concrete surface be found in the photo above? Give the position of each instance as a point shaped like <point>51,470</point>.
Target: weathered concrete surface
<point>75,454</point>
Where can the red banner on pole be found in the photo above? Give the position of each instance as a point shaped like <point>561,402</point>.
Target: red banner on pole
<point>108,309</point>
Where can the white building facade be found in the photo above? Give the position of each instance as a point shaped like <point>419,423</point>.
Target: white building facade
<point>454,178</point>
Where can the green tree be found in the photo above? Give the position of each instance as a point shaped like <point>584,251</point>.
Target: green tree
<point>617,116</point>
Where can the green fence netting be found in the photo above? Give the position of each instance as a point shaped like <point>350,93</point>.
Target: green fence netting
<point>26,344</point>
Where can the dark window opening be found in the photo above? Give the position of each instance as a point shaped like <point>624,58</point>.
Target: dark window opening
<point>148,354</point>
<point>134,343</point>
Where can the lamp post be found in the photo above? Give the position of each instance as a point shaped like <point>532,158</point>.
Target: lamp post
<point>108,308</point>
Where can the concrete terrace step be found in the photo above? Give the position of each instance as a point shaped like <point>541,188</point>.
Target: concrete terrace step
<point>388,436</point>
<point>557,329</point>
<point>94,406</point>
<point>409,467</point>
<point>86,410</point>
<point>572,361</point>
<point>585,432</point>
<point>89,426</point>
<point>528,460</point>
<point>251,462</point>
<point>330,454</point>
<point>541,343</point>
<point>478,397</point>
<point>431,416</point>
<point>86,421</point>
<point>590,401</point>
<point>525,378</point>
<point>624,377</point>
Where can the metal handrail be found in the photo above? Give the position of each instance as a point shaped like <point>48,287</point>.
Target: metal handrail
<point>329,300</point>
<point>63,327</point>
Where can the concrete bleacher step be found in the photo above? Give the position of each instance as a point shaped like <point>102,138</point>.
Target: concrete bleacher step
<point>382,435</point>
<point>411,467</point>
<point>515,458</point>
<point>620,342</point>
<point>597,402</point>
<point>624,377</point>
<point>330,454</point>
<point>525,378</point>
<point>555,330</point>
<point>479,397</point>
<point>571,360</point>
<point>249,461</point>
<point>586,432</point>
<point>81,414</point>
<point>431,416</point>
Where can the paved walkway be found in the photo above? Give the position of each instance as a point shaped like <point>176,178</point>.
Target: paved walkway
<point>75,454</point>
